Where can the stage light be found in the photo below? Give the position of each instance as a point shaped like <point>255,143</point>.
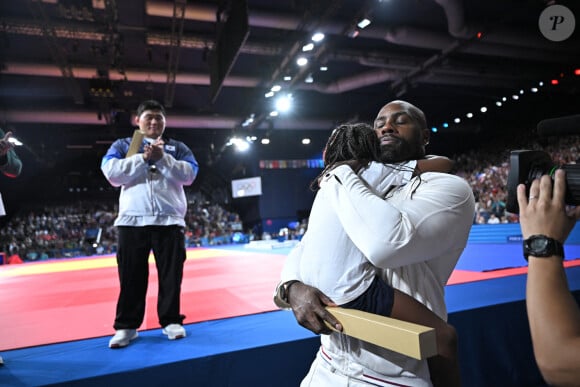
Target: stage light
<point>364,23</point>
<point>445,125</point>
<point>521,91</point>
<point>434,129</point>
<point>309,79</point>
<point>498,104</point>
<point>469,115</point>
<point>269,94</point>
<point>308,47</point>
<point>323,68</point>
<point>577,72</point>
<point>318,37</point>
<point>305,141</point>
<point>515,97</point>
<point>287,78</point>
<point>554,82</point>
<point>301,61</point>
<point>274,113</point>
<point>504,99</point>
<point>265,141</point>
<point>239,144</point>
<point>534,89</point>
<point>457,120</point>
<point>276,88</point>
<point>483,109</point>
<point>283,103</point>
<point>540,83</point>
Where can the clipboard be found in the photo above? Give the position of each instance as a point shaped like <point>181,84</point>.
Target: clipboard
<point>136,142</point>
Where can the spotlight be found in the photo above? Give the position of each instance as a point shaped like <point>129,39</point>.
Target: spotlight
<point>457,120</point>
<point>498,104</point>
<point>483,109</point>
<point>318,37</point>
<point>308,47</point>
<point>274,113</point>
<point>469,115</point>
<point>305,141</point>
<point>265,141</point>
<point>301,61</point>
<point>283,103</point>
<point>364,23</point>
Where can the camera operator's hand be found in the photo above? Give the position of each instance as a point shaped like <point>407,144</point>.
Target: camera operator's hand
<point>545,211</point>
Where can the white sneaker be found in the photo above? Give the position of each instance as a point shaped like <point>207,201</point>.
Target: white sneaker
<point>122,338</point>
<point>174,331</point>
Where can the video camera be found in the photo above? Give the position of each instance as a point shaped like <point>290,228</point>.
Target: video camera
<point>527,165</point>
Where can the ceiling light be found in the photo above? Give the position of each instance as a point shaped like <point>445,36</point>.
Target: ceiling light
<point>515,97</point>
<point>469,115</point>
<point>445,125</point>
<point>269,94</point>
<point>305,141</point>
<point>309,79</point>
<point>287,78</point>
<point>540,83</point>
<point>240,145</point>
<point>534,89</point>
<point>308,47</point>
<point>498,103</point>
<point>283,103</point>
<point>364,23</point>
<point>434,129</point>
<point>521,91</point>
<point>354,33</point>
<point>265,141</point>
<point>323,68</point>
<point>504,99</point>
<point>457,120</point>
<point>276,88</point>
<point>274,113</point>
<point>483,109</point>
<point>302,61</point>
<point>318,37</point>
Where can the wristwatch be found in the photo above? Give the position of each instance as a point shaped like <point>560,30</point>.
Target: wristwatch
<point>281,294</point>
<point>542,246</point>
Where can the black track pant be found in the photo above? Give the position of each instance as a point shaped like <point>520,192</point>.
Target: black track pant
<point>133,248</point>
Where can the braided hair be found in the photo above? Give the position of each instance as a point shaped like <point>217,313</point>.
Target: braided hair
<point>356,141</point>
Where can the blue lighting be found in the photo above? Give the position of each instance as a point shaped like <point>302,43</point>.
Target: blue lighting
<point>445,125</point>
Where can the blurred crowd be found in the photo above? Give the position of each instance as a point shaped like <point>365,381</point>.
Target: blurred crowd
<point>86,228</point>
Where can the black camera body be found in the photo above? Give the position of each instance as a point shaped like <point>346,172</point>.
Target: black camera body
<point>527,165</point>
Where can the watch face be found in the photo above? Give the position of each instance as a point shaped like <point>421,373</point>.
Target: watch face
<point>538,244</point>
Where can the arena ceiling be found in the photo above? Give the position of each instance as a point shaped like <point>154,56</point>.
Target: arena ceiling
<point>73,71</point>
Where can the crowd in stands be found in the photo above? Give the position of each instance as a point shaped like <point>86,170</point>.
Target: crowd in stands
<point>64,230</point>
<point>86,228</point>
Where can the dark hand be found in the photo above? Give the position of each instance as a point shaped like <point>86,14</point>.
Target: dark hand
<point>308,305</point>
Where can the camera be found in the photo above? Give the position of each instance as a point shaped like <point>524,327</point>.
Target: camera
<point>527,165</point>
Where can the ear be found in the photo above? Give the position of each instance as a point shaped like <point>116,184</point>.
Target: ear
<point>136,120</point>
<point>426,136</point>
